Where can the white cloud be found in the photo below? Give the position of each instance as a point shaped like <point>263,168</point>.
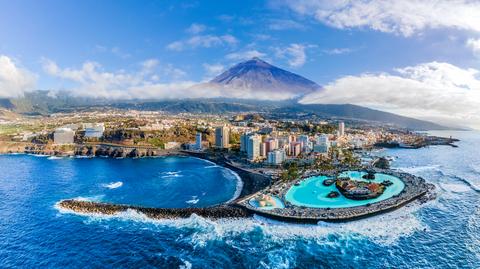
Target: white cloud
<point>474,45</point>
<point>176,46</point>
<point>244,55</point>
<point>295,53</point>
<point>213,69</point>
<point>430,91</point>
<point>205,41</point>
<point>337,51</point>
<point>92,81</point>
<point>196,28</point>
<point>14,80</point>
<point>404,17</point>
<point>280,24</point>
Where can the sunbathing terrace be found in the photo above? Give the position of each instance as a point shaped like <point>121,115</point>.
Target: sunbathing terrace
<point>410,188</point>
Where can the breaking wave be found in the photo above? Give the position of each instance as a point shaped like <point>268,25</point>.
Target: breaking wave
<point>383,229</point>
<point>113,185</point>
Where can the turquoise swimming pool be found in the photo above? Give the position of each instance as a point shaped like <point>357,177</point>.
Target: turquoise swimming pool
<point>278,202</point>
<point>312,193</point>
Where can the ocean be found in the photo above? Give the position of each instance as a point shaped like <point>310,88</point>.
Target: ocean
<point>35,233</point>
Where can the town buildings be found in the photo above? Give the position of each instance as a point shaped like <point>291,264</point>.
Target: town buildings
<point>222,137</point>
<point>63,136</point>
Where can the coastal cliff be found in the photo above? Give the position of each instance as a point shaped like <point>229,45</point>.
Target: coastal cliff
<point>92,150</point>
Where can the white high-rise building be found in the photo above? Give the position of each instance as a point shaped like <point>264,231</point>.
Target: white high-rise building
<point>306,144</point>
<point>244,141</point>
<point>322,144</point>
<point>253,147</point>
<point>341,128</point>
<point>222,137</point>
<point>198,141</point>
<point>276,157</point>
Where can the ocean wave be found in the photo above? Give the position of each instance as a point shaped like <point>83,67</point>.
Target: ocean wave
<point>193,201</point>
<point>172,174</point>
<point>473,231</point>
<point>84,157</point>
<point>113,185</point>
<point>211,166</point>
<point>456,188</point>
<point>54,158</point>
<point>383,229</point>
<point>417,169</point>
<point>475,168</point>
<point>238,186</point>
<point>39,155</point>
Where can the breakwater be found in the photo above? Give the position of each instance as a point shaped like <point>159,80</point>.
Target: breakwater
<point>216,212</point>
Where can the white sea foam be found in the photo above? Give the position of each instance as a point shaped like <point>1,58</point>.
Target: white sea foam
<point>417,169</point>
<point>186,264</point>
<point>54,158</point>
<point>39,155</point>
<point>456,188</point>
<point>383,229</point>
<point>238,186</point>
<point>193,201</point>
<point>172,174</point>
<point>113,185</point>
<point>211,166</point>
<point>83,157</point>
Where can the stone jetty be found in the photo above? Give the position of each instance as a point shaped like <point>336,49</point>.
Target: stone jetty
<point>216,212</point>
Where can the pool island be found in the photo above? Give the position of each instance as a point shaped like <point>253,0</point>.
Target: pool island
<point>341,195</point>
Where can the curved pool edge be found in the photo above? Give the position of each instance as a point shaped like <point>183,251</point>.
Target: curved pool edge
<point>333,203</point>
<point>416,188</point>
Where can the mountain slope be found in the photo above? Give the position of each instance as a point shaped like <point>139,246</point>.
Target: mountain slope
<point>348,111</point>
<point>257,79</point>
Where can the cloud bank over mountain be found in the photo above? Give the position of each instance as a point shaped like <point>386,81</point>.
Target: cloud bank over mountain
<point>14,80</point>
<point>435,91</point>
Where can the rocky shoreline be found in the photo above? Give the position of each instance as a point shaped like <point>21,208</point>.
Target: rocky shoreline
<point>87,150</point>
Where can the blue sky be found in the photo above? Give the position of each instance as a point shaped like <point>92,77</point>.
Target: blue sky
<point>108,47</point>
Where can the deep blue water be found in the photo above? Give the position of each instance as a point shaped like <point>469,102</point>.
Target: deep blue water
<point>444,233</point>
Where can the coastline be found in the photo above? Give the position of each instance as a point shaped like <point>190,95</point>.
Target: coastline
<point>250,184</point>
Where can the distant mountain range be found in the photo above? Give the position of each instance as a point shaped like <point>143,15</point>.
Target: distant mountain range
<point>250,82</point>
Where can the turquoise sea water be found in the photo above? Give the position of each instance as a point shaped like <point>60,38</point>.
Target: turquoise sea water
<point>444,233</point>
<point>312,193</point>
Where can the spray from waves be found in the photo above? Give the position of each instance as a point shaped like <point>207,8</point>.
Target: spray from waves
<point>113,185</point>
<point>383,229</point>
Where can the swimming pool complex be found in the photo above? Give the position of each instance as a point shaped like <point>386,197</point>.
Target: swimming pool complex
<point>312,193</point>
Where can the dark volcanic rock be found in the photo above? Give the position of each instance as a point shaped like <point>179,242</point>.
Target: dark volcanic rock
<point>217,212</point>
<point>381,163</point>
